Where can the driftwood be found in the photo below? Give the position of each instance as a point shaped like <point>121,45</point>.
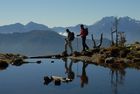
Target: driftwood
<point>94,42</point>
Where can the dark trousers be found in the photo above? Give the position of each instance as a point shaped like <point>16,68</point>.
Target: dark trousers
<point>84,44</point>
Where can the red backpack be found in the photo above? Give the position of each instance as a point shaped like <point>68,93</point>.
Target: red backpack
<point>85,31</point>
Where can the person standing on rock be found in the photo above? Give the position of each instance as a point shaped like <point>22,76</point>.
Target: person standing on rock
<point>68,40</point>
<point>83,34</point>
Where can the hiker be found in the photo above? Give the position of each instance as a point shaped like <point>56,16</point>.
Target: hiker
<point>83,34</point>
<point>68,40</point>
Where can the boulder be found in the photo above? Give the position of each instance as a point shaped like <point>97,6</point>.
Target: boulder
<point>3,65</point>
<point>110,60</point>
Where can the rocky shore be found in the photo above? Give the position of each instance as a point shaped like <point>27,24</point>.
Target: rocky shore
<point>14,59</point>
<point>113,57</point>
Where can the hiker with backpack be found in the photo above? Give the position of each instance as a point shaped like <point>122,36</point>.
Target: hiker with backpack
<point>83,34</point>
<point>68,40</point>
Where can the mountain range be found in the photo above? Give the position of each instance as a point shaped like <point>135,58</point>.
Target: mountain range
<point>126,24</point>
<point>20,28</point>
<point>35,39</point>
<point>38,42</point>
<point>33,43</point>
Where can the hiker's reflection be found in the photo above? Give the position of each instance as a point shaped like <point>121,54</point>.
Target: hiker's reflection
<point>117,78</point>
<point>58,79</point>
<point>69,71</point>
<point>84,77</point>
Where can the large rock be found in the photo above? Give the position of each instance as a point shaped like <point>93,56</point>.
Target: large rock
<point>3,65</point>
<point>110,60</point>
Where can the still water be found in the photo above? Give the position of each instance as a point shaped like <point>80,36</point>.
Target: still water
<point>78,78</point>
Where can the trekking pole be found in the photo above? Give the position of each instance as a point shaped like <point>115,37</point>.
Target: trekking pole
<point>77,43</point>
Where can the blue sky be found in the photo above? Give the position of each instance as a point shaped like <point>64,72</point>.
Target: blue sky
<point>65,12</point>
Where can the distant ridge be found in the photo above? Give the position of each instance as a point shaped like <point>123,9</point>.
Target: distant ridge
<point>38,42</point>
<point>126,24</point>
<point>18,27</point>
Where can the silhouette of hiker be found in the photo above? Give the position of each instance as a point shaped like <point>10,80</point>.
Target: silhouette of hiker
<point>68,40</point>
<point>83,34</point>
<point>84,77</point>
<point>69,71</point>
<point>58,79</point>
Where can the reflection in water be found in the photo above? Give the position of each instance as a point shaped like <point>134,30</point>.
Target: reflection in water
<point>117,78</point>
<point>67,75</point>
<point>83,76</point>
<point>117,74</point>
<point>21,63</point>
<point>57,79</point>
<point>70,75</point>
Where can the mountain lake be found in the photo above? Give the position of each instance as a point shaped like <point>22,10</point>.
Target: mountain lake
<point>65,76</point>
